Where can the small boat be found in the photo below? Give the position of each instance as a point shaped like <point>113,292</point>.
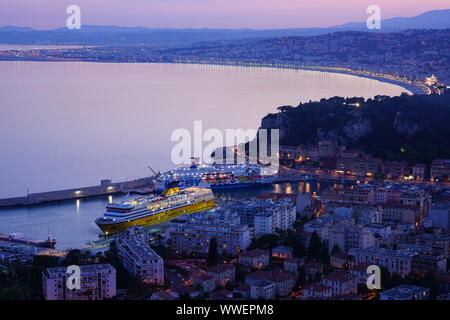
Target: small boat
<point>19,238</point>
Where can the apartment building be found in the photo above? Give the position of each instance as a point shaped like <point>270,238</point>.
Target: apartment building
<point>138,258</point>
<point>284,281</point>
<point>396,212</point>
<point>440,169</point>
<point>97,282</point>
<point>255,258</point>
<point>222,274</point>
<point>262,290</point>
<point>340,282</point>
<point>440,215</point>
<point>396,261</point>
<point>194,236</point>
<point>405,292</point>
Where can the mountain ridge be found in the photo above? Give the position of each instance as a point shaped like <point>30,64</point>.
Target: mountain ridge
<point>118,35</point>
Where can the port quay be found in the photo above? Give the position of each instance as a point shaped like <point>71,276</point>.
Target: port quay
<point>138,186</point>
<point>106,187</point>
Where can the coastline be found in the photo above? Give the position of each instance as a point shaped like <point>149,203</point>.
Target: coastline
<point>387,78</point>
<point>414,88</point>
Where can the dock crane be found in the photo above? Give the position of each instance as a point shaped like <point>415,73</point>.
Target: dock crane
<point>157,174</point>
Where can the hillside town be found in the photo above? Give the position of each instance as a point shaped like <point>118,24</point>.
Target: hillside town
<point>275,246</point>
<point>328,159</point>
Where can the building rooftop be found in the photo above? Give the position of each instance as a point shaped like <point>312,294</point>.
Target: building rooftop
<point>262,283</point>
<point>339,255</point>
<point>317,287</point>
<point>254,253</point>
<point>275,276</point>
<point>221,268</point>
<point>242,287</point>
<point>139,249</point>
<point>56,272</point>
<point>292,260</point>
<point>404,291</point>
<point>339,276</point>
<point>205,277</point>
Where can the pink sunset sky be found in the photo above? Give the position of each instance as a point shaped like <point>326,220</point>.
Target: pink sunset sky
<point>257,14</point>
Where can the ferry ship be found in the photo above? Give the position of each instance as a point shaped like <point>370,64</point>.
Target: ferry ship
<point>216,176</point>
<point>154,209</point>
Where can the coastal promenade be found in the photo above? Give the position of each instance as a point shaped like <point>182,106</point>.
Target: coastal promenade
<point>106,187</point>
<point>415,87</point>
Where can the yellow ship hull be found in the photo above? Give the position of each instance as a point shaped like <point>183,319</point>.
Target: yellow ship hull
<point>112,228</point>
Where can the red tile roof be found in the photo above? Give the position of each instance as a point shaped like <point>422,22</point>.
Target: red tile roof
<point>254,253</point>
<point>317,287</point>
<point>221,268</point>
<point>339,276</point>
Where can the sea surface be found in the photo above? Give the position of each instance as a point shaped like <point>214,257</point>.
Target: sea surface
<point>71,124</point>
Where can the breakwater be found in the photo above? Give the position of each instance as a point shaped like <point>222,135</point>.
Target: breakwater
<point>106,187</point>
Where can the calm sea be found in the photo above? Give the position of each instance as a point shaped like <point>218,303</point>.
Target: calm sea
<point>70,124</point>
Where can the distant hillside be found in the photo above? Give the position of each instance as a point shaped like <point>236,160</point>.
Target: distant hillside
<point>116,35</point>
<point>436,19</point>
<point>412,128</point>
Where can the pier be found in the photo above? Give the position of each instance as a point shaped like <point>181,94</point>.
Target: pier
<point>284,178</point>
<point>106,187</point>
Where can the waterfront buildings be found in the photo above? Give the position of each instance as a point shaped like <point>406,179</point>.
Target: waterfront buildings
<point>395,169</point>
<point>138,258</point>
<point>365,166</point>
<point>408,205</point>
<point>420,172</point>
<point>440,169</point>
<point>97,282</point>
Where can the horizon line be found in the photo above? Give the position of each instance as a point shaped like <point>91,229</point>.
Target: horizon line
<point>211,28</point>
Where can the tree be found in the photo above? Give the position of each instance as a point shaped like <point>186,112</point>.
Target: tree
<point>77,257</point>
<point>302,276</point>
<point>335,249</point>
<point>324,257</point>
<point>315,247</point>
<point>212,253</point>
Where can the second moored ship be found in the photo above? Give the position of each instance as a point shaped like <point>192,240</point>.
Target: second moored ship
<point>154,209</point>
